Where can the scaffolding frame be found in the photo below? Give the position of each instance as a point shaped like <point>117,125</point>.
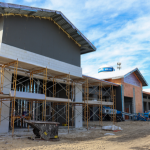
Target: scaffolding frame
<point>86,86</point>
<point>69,93</point>
<point>66,78</point>
<point>44,71</point>
<point>15,65</point>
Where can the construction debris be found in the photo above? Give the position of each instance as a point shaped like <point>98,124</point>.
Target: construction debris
<point>113,128</point>
<point>109,134</point>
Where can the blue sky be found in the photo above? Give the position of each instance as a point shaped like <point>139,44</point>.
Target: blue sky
<point>120,29</point>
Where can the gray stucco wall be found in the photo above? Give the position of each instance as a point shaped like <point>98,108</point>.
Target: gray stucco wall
<point>40,36</point>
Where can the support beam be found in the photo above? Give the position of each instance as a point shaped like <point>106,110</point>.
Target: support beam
<point>87,97</point>
<point>68,95</point>
<point>78,108</point>
<point>114,104</point>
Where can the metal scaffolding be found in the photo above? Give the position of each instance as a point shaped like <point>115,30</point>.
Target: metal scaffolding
<point>99,88</point>
<point>44,71</point>
<point>15,65</point>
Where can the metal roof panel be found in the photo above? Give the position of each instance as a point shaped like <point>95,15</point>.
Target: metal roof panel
<point>25,10</point>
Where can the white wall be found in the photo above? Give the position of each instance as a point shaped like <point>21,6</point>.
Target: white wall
<point>78,109</point>
<point>4,126</point>
<point>39,60</point>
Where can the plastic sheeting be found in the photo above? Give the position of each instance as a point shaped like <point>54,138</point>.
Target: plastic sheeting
<point>113,127</point>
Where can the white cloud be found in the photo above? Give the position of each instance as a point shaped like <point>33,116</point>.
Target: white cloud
<point>125,45</point>
<point>146,90</point>
<point>31,1</point>
<point>109,5</point>
<point>86,13</point>
<point>120,29</point>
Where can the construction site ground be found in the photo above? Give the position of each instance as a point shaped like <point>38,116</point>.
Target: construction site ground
<point>134,136</point>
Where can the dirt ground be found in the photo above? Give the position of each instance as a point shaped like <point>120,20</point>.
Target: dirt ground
<point>134,136</point>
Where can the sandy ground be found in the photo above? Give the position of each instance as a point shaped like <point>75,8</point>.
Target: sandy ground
<point>134,136</point>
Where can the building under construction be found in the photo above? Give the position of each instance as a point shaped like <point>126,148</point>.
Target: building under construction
<point>41,74</point>
<point>130,94</point>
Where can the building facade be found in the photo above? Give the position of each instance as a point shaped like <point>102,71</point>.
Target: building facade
<point>130,94</point>
<point>146,101</point>
<point>38,38</point>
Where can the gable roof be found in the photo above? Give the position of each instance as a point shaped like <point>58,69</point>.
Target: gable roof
<point>139,75</point>
<point>122,74</point>
<point>56,16</point>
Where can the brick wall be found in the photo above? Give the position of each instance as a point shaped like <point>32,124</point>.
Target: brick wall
<point>128,92</point>
<point>133,82</point>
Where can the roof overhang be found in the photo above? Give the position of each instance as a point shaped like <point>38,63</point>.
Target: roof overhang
<point>59,19</point>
